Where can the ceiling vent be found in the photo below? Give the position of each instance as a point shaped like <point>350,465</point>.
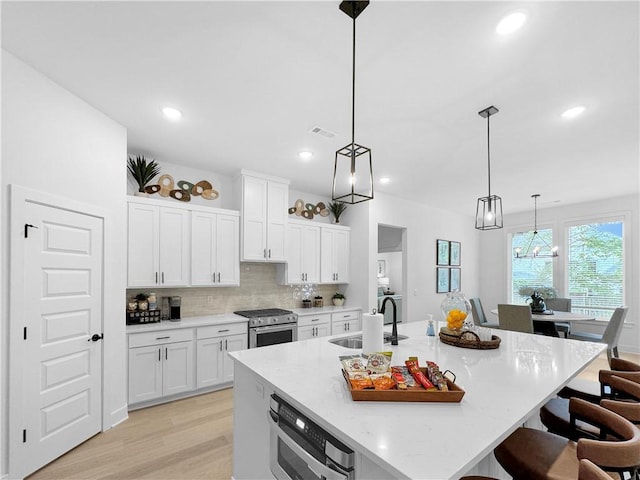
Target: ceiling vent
<point>323,132</point>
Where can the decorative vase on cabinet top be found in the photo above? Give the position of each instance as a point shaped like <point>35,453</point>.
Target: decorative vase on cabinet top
<point>455,310</point>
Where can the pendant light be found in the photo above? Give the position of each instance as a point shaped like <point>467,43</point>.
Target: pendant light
<point>489,209</point>
<point>540,248</point>
<point>352,172</point>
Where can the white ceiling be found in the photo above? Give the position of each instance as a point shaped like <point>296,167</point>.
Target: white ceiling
<point>253,78</point>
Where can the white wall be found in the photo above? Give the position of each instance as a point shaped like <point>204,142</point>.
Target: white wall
<point>55,143</point>
<point>494,263</point>
<point>424,225</point>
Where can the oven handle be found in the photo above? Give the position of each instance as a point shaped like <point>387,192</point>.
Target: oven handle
<point>313,464</point>
<point>275,328</point>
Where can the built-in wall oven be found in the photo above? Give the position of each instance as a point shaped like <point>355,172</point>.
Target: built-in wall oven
<point>270,326</point>
<point>300,449</point>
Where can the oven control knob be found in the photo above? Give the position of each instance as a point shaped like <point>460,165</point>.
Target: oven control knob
<point>273,320</point>
<point>258,321</point>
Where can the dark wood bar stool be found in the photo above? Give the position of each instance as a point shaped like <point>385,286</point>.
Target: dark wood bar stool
<point>587,471</point>
<point>555,413</point>
<point>529,454</point>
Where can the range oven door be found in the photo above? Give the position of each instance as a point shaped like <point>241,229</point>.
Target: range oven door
<point>290,461</point>
<point>272,335</point>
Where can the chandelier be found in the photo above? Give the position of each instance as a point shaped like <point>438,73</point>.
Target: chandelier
<point>489,208</point>
<point>352,172</point>
<point>541,248</point>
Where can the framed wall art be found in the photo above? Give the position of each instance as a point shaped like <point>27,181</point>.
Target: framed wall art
<point>454,254</point>
<point>382,270</point>
<point>442,280</point>
<point>454,280</point>
<point>442,252</point>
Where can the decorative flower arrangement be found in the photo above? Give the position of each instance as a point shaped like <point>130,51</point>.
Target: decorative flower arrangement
<point>142,172</point>
<point>337,208</point>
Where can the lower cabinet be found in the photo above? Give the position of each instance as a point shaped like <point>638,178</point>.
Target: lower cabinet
<point>312,326</point>
<point>160,364</point>
<point>344,322</point>
<point>213,343</point>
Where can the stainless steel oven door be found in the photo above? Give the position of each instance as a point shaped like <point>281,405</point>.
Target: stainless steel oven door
<point>289,461</point>
<point>272,335</point>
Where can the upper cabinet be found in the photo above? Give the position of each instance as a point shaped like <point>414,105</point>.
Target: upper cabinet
<point>334,257</point>
<point>182,245</point>
<point>303,254</point>
<point>263,205</point>
<point>158,246</point>
<point>215,249</point>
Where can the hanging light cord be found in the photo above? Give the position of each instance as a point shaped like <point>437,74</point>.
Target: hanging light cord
<point>489,156</point>
<point>535,214</point>
<point>353,86</point>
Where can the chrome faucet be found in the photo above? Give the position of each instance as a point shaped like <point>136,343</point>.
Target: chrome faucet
<point>394,328</point>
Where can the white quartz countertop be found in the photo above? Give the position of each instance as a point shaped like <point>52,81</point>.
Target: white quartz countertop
<point>419,440</point>
<point>189,322</point>
<point>325,309</point>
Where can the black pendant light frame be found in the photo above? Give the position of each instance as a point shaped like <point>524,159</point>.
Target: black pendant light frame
<point>489,208</point>
<point>352,153</point>
<point>535,253</point>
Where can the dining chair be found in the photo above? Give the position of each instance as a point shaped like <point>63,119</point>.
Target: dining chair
<point>533,454</point>
<point>611,334</point>
<point>515,317</point>
<point>479,318</point>
<point>561,305</point>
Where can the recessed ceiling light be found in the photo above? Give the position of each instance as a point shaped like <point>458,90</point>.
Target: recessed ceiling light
<point>384,180</point>
<point>171,113</point>
<point>305,154</point>
<point>573,112</point>
<point>511,23</point>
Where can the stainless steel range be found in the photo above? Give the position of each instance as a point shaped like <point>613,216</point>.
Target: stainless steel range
<point>270,326</point>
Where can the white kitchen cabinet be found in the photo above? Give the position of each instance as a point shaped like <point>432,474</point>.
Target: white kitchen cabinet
<point>213,366</point>
<point>161,363</point>
<point>334,254</point>
<point>215,249</point>
<point>345,322</point>
<point>158,246</point>
<point>264,207</point>
<point>303,254</point>
<point>314,325</point>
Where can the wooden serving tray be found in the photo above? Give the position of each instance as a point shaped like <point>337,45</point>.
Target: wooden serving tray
<point>411,394</point>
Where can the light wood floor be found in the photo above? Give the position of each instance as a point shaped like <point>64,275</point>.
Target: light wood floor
<point>186,439</point>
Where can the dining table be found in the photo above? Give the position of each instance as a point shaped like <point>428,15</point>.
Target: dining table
<point>550,317</point>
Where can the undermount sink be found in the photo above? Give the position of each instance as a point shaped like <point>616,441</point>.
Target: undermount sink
<point>355,341</point>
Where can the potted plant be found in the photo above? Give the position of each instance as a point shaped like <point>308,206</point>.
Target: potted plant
<point>338,299</point>
<point>337,208</point>
<point>142,172</point>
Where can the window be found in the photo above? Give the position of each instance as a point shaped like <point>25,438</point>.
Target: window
<point>529,272</point>
<point>595,267</point>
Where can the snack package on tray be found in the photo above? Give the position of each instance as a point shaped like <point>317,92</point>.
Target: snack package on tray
<point>375,374</point>
<point>420,377</point>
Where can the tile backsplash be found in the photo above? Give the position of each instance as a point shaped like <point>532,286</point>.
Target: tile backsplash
<point>258,289</point>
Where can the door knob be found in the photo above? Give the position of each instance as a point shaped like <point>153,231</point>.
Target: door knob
<point>96,337</point>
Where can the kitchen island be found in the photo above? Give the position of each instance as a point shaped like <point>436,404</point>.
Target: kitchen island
<point>504,387</point>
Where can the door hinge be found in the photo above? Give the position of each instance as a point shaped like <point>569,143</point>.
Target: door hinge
<point>27,226</point>
<point>24,333</point>
<point>24,436</point>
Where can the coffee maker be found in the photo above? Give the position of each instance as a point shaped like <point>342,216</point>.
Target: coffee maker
<point>174,308</point>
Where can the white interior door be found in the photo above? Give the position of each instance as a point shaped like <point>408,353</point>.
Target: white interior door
<point>55,364</point>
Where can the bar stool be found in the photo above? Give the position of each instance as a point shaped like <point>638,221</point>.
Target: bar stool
<point>587,471</point>
<point>594,391</point>
<point>529,454</point>
<point>555,413</point>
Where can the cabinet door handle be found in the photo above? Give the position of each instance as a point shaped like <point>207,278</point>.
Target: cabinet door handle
<point>159,357</point>
<point>348,327</point>
<point>218,277</point>
<point>226,345</point>
<point>315,319</point>
<point>269,253</point>
<point>265,253</point>
<point>223,330</point>
<point>156,277</point>
<point>163,338</point>
<point>302,277</point>
<point>213,278</point>
<point>337,276</point>
<point>162,277</point>
<point>220,345</point>
<point>166,353</point>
